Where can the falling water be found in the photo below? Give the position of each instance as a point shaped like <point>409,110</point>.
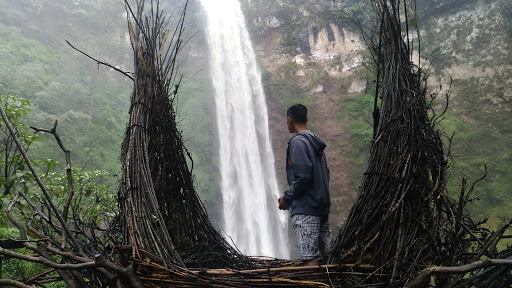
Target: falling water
<point>249,186</point>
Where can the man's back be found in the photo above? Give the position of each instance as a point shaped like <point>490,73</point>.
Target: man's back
<point>307,175</point>
<point>308,195</point>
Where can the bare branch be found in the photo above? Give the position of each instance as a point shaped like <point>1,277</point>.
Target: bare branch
<point>23,233</point>
<point>425,274</point>
<point>46,262</point>
<point>69,175</point>
<point>127,74</point>
<point>14,283</point>
<point>492,240</point>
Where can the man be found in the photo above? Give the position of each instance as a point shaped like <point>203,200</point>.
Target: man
<point>308,195</point>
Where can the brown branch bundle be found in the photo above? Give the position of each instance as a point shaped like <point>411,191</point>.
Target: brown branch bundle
<point>157,191</point>
<point>274,273</point>
<point>400,205</point>
<point>402,221</point>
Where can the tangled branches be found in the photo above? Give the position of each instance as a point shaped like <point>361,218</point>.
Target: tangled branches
<point>61,242</point>
<point>402,221</point>
<point>157,191</point>
<point>400,201</point>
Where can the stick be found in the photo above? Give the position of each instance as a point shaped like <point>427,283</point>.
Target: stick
<point>137,45</point>
<point>69,175</point>
<point>425,274</point>
<point>100,62</point>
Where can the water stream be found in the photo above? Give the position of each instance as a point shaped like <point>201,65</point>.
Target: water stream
<point>249,185</point>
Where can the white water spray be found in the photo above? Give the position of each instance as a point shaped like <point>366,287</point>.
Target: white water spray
<point>249,186</point>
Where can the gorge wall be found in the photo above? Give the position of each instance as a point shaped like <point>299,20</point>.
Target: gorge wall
<point>318,70</point>
<point>309,54</point>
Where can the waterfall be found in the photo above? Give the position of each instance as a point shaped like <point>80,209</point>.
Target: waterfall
<point>249,186</point>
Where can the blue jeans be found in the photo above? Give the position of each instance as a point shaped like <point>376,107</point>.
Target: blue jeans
<point>314,238</point>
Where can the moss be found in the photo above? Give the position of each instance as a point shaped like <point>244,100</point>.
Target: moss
<point>317,76</point>
<point>291,68</point>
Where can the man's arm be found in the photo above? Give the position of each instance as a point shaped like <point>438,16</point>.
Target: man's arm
<point>302,168</point>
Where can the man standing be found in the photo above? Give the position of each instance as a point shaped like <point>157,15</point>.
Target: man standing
<point>308,195</point>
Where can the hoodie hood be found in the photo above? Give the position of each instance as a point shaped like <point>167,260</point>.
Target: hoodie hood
<point>317,143</point>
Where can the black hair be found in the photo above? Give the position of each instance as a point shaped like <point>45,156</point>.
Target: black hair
<point>298,113</point>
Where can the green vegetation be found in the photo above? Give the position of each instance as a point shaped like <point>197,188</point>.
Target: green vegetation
<point>286,93</point>
<point>479,108</point>
<point>95,195</point>
<point>357,111</point>
<point>11,162</point>
<point>475,145</point>
<point>90,101</point>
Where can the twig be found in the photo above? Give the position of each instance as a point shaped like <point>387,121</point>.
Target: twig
<point>460,208</point>
<point>32,279</point>
<point>493,238</point>
<point>69,175</point>
<point>279,269</point>
<point>17,243</point>
<point>425,274</point>
<point>127,74</point>
<point>23,233</point>
<point>46,262</point>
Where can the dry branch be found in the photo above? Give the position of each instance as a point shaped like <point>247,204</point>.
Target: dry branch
<point>69,174</point>
<point>14,283</point>
<point>425,274</point>
<point>127,74</point>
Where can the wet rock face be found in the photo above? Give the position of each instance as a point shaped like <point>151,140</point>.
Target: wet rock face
<point>328,42</point>
<point>332,41</point>
<point>330,33</point>
<point>304,45</point>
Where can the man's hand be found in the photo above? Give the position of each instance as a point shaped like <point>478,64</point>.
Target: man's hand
<point>282,204</point>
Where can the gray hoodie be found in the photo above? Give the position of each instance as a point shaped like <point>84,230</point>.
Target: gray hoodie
<point>308,175</point>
